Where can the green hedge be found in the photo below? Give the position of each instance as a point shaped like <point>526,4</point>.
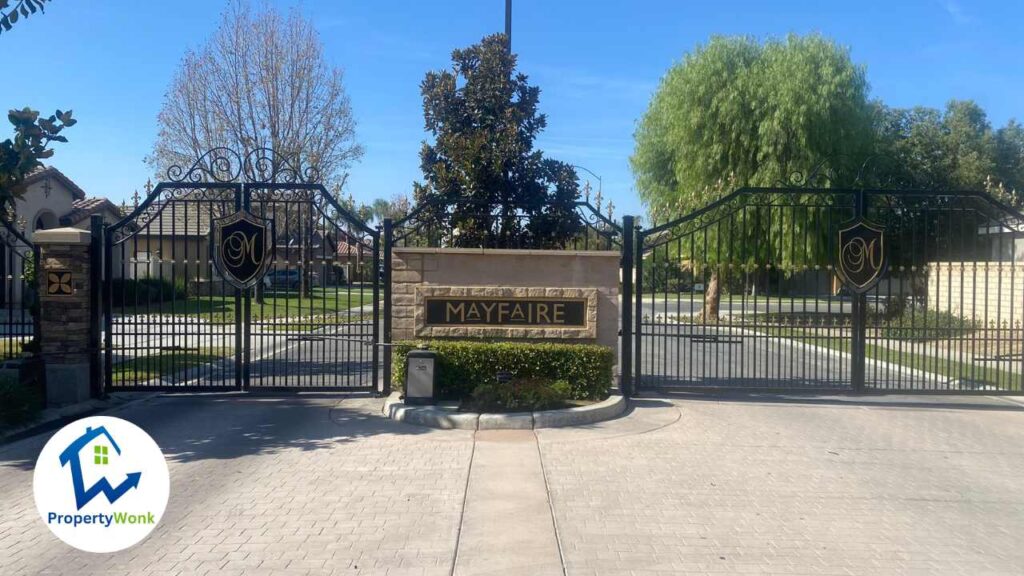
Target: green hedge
<point>524,395</point>
<point>19,403</point>
<point>462,366</point>
<point>923,324</point>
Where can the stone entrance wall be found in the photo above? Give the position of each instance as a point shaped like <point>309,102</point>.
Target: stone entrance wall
<point>988,292</point>
<point>422,272</point>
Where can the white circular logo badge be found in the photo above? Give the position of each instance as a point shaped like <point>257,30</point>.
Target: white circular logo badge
<point>101,484</point>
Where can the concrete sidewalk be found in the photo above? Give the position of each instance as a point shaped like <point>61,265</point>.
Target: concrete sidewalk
<point>507,527</point>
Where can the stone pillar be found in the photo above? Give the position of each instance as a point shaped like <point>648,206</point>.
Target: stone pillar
<point>64,299</point>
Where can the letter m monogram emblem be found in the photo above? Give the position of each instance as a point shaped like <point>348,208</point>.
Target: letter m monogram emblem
<point>242,247</point>
<point>861,255</point>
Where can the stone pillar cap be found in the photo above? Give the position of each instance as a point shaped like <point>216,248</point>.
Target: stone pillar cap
<point>62,236</point>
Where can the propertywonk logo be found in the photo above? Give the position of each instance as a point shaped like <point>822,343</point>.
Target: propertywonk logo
<point>101,484</point>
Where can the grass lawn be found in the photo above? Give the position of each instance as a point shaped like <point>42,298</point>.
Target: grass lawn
<point>739,298</point>
<point>11,348</point>
<point>323,301</point>
<point>949,368</point>
<point>164,364</point>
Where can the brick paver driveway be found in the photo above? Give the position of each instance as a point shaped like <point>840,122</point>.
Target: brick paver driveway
<point>322,484</point>
<point>877,485</point>
<point>268,485</point>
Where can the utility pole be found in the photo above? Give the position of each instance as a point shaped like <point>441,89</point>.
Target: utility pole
<point>508,25</point>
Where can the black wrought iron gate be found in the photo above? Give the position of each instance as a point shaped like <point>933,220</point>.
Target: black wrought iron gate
<point>173,321</point>
<point>833,289</point>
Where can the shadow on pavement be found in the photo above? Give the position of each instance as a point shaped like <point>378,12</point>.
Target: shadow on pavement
<point>218,426</point>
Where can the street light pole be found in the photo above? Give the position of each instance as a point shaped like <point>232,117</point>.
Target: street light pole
<point>508,25</point>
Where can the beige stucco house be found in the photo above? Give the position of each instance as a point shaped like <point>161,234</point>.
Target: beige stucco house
<point>52,200</point>
<point>49,199</point>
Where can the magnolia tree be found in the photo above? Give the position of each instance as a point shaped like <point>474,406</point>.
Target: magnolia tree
<point>483,117</point>
<point>23,154</point>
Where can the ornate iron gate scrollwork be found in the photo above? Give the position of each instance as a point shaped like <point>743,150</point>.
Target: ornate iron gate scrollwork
<point>304,316</point>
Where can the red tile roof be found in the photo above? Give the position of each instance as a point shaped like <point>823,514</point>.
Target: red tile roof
<point>82,209</point>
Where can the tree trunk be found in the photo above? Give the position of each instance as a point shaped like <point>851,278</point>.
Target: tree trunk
<point>712,295</point>
<point>259,292</point>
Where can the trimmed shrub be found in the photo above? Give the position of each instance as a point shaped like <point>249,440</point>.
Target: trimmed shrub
<point>19,403</point>
<point>519,396</point>
<point>464,366</point>
<point>142,291</point>
<point>918,323</point>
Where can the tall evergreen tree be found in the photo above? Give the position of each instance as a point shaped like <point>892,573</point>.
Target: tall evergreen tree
<point>482,164</point>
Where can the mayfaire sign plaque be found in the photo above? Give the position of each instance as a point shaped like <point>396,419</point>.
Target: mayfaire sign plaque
<point>469,311</point>
<point>505,312</point>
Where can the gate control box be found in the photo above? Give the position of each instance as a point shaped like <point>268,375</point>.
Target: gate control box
<point>419,377</point>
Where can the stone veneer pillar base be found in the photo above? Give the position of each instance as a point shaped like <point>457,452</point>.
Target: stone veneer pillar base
<point>63,281</point>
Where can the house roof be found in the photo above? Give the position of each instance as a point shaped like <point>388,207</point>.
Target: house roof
<point>183,219</point>
<point>177,218</point>
<point>348,249</point>
<point>51,172</point>
<point>82,209</point>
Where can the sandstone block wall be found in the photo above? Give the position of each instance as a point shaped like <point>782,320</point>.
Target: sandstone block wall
<point>419,272</point>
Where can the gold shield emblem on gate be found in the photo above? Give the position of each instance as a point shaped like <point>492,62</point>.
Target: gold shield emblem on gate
<point>242,247</point>
<point>861,255</point>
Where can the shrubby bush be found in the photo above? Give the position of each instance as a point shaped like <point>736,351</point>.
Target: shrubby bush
<point>462,366</point>
<point>525,394</point>
<point>19,403</point>
<point>919,323</point>
<point>142,291</point>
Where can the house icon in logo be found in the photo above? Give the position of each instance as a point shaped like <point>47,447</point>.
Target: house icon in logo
<point>72,456</point>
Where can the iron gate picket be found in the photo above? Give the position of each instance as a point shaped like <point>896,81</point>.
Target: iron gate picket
<point>19,298</point>
<point>173,321</point>
<point>866,290</point>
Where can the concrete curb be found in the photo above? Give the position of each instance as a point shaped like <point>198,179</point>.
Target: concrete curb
<point>614,406</point>
<point>449,417</point>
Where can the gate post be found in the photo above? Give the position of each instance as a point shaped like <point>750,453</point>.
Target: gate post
<point>65,297</point>
<point>375,277</point>
<point>858,349</point>
<point>860,315</point>
<point>95,278</point>
<point>386,280</point>
<point>626,310</point>
<point>638,313</point>
<point>107,299</point>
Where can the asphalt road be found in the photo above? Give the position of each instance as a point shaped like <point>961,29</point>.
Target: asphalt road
<point>675,355</point>
<point>684,305</point>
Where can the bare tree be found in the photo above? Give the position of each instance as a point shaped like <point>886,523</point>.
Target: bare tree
<point>260,81</point>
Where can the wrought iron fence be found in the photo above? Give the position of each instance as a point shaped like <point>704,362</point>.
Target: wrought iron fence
<point>172,320</point>
<point>751,292</point>
<point>19,299</point>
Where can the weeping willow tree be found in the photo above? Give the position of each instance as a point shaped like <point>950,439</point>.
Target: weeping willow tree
<point>751,114</point>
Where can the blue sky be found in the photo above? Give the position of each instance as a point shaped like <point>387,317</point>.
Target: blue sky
<point>597,64</point>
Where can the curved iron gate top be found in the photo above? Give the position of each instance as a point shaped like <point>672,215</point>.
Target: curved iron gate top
<point>505,225</point>
<point>825,288</point>
<point>172,321</point>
